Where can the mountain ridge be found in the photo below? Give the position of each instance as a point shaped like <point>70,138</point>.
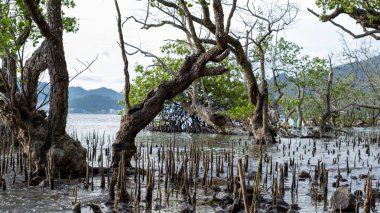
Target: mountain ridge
<point>100,100</point>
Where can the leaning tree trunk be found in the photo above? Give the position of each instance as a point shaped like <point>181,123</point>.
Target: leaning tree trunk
<point>193,67</point>
<point>139,116</point>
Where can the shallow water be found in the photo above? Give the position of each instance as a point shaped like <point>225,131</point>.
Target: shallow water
<point>18,198</point>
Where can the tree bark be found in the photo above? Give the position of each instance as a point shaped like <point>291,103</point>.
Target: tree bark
<point>33,68</point>
<point>193,67</point>
<point>139,116</point>
<point>327,113</point>
<point>216,120</point>
<point>47,134</point>
<point>263,131</point>
<point>301,94</point>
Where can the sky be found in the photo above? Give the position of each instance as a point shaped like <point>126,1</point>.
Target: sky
<point>97,37</point>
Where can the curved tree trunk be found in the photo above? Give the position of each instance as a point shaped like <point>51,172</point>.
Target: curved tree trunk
<point>193,67</point>
<point>139,116</point>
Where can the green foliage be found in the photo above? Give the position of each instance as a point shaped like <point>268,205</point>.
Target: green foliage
<point>145,81</point>
<point>349,6</point>
<point>14,22</point>
<point>240,112</point>
<point>227,91</point>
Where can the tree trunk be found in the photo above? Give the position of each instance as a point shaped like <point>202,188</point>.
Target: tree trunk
<point>263,131</point>
<point>288,115</point>
<point>301,94</point>
<point>139,116</point>
<point>299,117</point>
<point>40,135</point>
<point>326,115</point>
<point>34,66</point>
<point>217,121</point>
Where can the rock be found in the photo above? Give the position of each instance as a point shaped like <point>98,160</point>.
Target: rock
<point>342,200</point>
<point>186,208</point>
<point>43,184</point>
<point>282,206</point>
<point>76,208</point>
<point>304,174</point>
<point>215,188</point>
<point>95,208</point>
<point>354,177</point>
<point>376,193</point>
<point>158,207</point>
<point>343,180</point>
<point>214,201</point>
<point>363,176</point>
<point>251,175</point>
<point>336,176</point>
<point>358,193</point>
<point>294,207</point>
<point>36,181</point>
<point>235,207</point>
<point>227,200</point>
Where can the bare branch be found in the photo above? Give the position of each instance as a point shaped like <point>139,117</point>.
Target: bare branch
<point>190,23</point>
<point>232,12</point>
<point>127,86</point>
<point>366,106</point>
<point>356,36</point>
<point>149,54</point>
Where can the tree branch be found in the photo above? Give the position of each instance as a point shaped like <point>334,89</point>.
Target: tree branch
<point>127,84</point>
<point>38,18</point>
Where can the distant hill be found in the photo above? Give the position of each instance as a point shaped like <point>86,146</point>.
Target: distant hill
<point>78,92</point>
<point>93,104</point>
<point>341,71</point>
<point>101,100</point>
<point>358,69</point>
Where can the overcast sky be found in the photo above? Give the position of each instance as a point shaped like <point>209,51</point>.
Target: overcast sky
<point>97,36</point>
